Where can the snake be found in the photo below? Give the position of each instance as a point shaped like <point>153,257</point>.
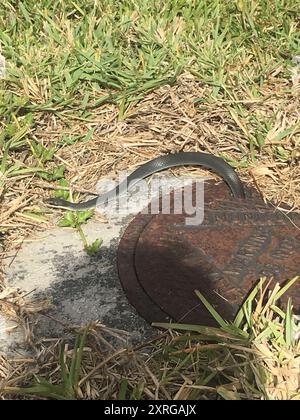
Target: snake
<point>206,160</point>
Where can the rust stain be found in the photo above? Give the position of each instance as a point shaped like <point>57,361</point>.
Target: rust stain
<point>161,260</point>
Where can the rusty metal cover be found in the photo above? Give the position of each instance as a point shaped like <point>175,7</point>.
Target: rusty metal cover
<point>162,261</point>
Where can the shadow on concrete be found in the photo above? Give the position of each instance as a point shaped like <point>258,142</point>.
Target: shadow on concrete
<point>86,289</point>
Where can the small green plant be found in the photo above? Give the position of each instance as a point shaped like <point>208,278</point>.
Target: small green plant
<point>78,138</point>
<point>75,220</point>
<point>53,175</point>
<point>94,248</point>
<point>42,153</point>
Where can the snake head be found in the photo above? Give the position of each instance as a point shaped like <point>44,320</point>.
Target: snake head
<point>57,202</point>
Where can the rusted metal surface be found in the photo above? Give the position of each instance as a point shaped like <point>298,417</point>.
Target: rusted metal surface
<point>162,261</point>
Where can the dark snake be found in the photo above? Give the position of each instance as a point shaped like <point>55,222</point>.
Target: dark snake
<point>161,163</point>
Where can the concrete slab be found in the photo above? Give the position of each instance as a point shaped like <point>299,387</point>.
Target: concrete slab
<point>82,288</point>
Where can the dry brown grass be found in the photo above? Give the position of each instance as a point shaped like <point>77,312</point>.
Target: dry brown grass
<point>66,55</point>
<point>168,120</point>
<point>241,362</point>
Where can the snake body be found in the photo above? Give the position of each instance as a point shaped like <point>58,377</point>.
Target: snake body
<point>161,163</point>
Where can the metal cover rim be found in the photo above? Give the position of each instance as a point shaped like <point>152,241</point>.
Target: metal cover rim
<point>131,271</point>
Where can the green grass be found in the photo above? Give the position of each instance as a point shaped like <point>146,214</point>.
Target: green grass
<point>73,50</point>
<point>67,57</point>
<point>254,357</point>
